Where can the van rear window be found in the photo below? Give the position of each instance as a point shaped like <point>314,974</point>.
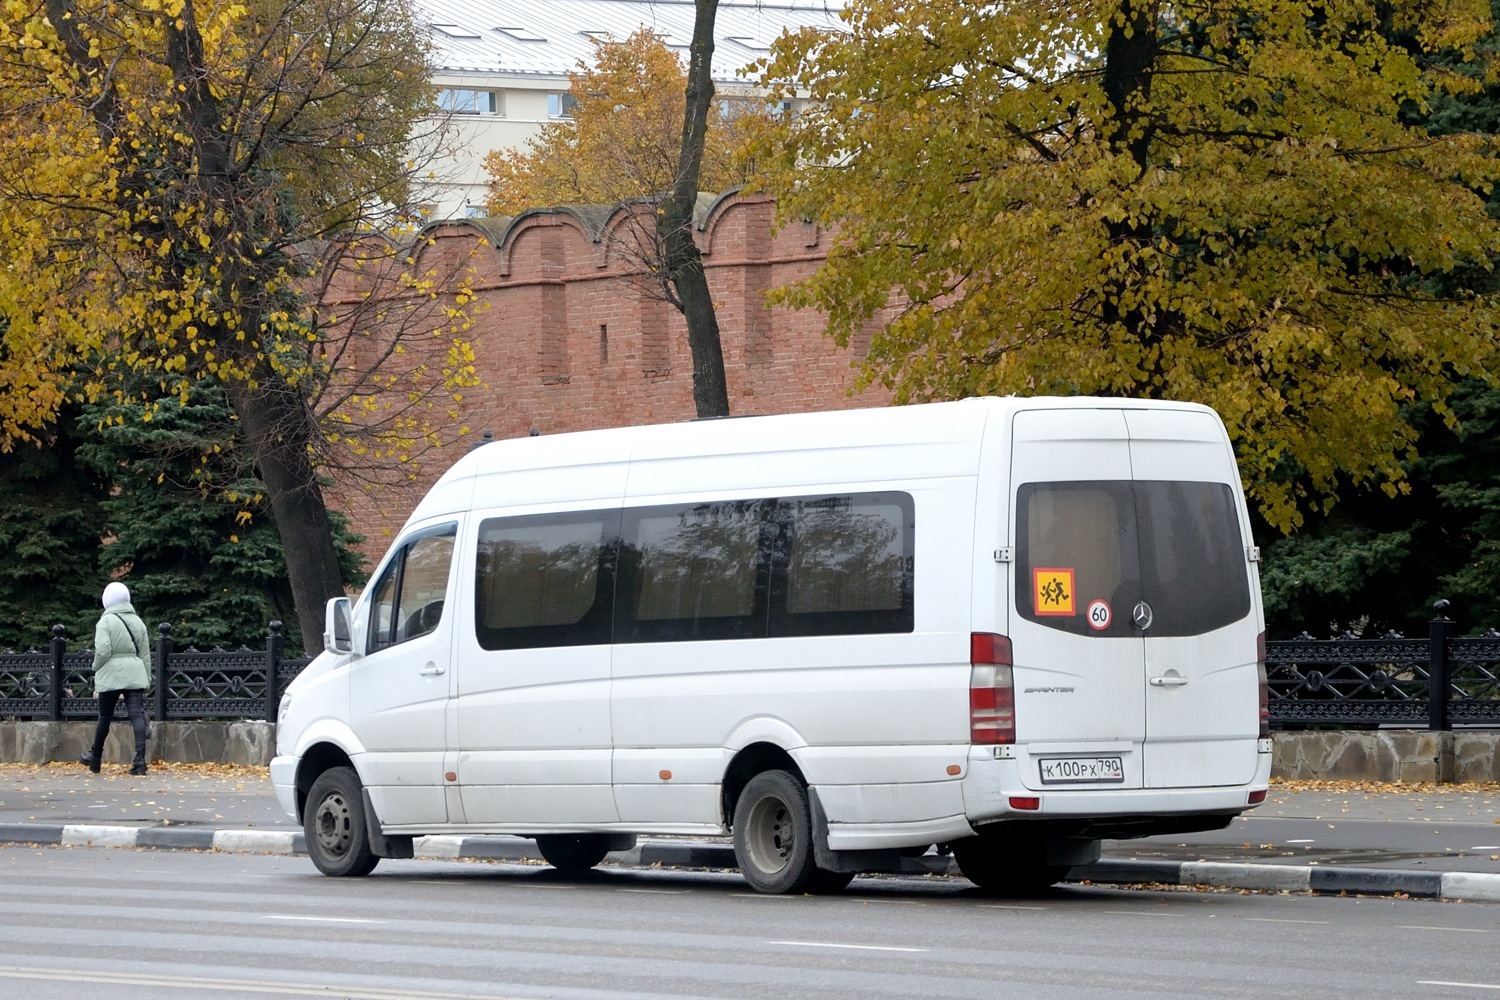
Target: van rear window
<point>1176,546</point>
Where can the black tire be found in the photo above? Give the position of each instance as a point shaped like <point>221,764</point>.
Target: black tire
<point>827,883</point>
<point>1006,869</point>
<point>573,852</point>
<point>333,824</point>
<point>773,834</point>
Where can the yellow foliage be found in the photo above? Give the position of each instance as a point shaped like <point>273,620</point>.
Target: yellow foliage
<point>168,163</point>
<point>1224,203</point>
<point>623,138</point>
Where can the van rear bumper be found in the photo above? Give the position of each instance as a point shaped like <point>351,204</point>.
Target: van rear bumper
<point>994,793</point>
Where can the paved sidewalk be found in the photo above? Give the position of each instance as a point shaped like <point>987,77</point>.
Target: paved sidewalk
<point>1360,839</point>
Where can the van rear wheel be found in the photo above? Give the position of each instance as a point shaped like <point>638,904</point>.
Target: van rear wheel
<point>572,852</point>
<point>333,824</point>
<point>1009,870</point>
<point>773,834</point>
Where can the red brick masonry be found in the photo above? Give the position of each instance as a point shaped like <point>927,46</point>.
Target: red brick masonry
<point>570,336</point>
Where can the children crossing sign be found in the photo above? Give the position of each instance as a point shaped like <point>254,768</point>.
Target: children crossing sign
<point>1052,591</point>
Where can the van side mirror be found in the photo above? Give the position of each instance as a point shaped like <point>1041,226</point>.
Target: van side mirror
<point>337,633</point>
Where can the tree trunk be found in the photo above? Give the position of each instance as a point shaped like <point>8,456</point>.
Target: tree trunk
<point>684,264</point>
<point>1129,58</point>
<point>276,428</point>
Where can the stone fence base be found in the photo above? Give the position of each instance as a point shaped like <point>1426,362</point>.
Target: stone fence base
<point>1379,755</point>
<point>250,743</point>
<point>1405,755</point>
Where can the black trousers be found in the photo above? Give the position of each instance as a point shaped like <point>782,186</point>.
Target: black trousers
<point>135,707</point>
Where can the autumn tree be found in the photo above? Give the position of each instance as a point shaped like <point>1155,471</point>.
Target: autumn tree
<point>179,180</point>
<point>643,128</point>
<point>622,137</point>
<point>1221,202</point>
<point>1375,562</point>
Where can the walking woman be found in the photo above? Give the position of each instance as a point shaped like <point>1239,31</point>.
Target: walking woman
<point>122,649</point>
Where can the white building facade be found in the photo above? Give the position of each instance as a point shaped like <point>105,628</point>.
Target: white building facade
<point>502,66</point>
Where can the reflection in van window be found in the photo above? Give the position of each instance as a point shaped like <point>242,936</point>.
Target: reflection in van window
<point>539,578</point>
<point>408,598</point>
<point>846,556</point>
<point>848,563</point>
<point>1175,545</point>
<point>698,562</point>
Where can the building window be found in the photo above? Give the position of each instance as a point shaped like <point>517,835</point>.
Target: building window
<point>560,105</point>
<point>469,102</point>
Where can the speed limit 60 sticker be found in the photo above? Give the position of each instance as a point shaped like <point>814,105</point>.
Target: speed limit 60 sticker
<point>1099,615</point>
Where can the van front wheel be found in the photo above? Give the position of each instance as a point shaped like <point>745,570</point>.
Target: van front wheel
<point>572,852</point>
<point>333,825</point>
<point>773,834</point>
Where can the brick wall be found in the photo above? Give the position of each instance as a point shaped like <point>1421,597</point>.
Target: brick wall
<point>569,336</point>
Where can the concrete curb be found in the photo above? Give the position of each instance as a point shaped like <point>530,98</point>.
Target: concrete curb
<point>1454,886</point>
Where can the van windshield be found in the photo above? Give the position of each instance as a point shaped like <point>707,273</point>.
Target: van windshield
<point>1089,552</point>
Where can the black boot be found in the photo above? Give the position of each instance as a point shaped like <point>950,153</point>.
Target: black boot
<point>138,766</point>
<point>90,760</point>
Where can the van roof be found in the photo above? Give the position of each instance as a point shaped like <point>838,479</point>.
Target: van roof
<point>943,434</point>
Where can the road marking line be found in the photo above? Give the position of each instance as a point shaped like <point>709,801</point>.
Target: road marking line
<point>1008,906</point>
<point>851,947</point>
<point>658,892</point>
<point>234,985</point>
<point>323,920</point>
<point>1459,930</point>
<point>1300,841</point>
<point>1486,847</point>
<point>1468,986</point>
<point>1281,920</point>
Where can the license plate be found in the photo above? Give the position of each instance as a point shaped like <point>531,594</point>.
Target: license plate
<point>1080,770</point>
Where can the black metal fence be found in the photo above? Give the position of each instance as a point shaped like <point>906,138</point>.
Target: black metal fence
<point>188,684</point>
<point>1435,682</point>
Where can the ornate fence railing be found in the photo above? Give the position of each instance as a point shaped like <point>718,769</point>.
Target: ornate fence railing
<point>246,683</point>
<point>1435,682</point>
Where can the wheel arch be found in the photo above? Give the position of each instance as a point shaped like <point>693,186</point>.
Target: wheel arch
<point>314,761</point>
<point>746,764</point>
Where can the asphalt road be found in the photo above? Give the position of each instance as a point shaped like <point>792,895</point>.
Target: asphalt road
<point>1421,828</point>
<point>143,925</point>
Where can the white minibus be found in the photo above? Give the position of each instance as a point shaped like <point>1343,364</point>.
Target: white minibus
<point>1007,628</point>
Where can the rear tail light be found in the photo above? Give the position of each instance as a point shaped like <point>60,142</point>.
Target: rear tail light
<point>1265,686</point>
<point>992,693</point>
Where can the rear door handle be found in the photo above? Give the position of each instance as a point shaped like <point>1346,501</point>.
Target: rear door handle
<point>1168,681</point>
<point>432,670</point>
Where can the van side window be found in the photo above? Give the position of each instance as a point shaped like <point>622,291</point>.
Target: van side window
<point>545,580</point>
<point>844,565</point>
<point>695,571</point>
<point>748,569</point>
<point>408,598</point>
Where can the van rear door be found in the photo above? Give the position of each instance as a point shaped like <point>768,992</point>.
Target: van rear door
<point>1202,699</point>
<point>1132,630</point>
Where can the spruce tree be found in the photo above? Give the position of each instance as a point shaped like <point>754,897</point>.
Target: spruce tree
<point>187,525</point>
